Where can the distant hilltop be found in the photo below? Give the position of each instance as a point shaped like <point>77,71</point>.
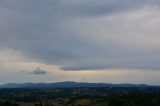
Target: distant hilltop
<point>67,84</point>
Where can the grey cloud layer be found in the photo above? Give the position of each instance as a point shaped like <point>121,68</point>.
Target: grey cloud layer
<point>84,34</point>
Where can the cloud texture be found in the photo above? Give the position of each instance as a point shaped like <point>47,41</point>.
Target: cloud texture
<point>84,34</point>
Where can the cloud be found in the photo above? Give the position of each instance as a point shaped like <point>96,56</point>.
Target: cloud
<point>83,35</point>
<point>39,71</point>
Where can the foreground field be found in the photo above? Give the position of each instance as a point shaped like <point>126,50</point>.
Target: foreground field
<point>129,96</point>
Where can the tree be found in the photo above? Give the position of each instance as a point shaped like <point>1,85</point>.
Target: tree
<point>115,101</point>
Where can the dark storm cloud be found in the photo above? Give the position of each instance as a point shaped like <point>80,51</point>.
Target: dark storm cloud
<point>57,32</point>
<point>39,71</point>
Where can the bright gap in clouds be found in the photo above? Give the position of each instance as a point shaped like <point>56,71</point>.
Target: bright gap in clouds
<point>17,69</point>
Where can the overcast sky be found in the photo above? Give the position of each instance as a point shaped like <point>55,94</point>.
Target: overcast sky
<point>115,41</point>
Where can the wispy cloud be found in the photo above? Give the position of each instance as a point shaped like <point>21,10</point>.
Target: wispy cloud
<point>39,71</point>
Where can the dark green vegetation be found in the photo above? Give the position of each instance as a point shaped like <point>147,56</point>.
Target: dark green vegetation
<point>104,96</point>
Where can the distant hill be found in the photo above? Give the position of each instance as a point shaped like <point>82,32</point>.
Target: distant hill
<point>68,84</point>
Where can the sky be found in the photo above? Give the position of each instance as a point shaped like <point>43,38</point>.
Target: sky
<point>111,41</point>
